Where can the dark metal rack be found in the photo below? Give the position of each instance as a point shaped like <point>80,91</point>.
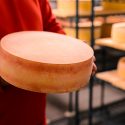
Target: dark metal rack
<point>90,118</point>
<point>78,115</point>
<point>77,120</point>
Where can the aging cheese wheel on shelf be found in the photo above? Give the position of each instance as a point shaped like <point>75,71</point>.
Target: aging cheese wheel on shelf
<point>45,62</point>
<point>84,30</point>
<point>113,5</point>
<point>107,25</point>
<point>118,32</point>
<point>121,68</point>
<point>69,6</point>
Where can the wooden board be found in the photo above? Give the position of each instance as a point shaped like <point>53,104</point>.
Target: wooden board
<point>112,78</point>
<point>109,43</point>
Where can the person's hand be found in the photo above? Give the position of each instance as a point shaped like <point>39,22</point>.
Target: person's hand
<point>94,68</point>
<point>3,85</point>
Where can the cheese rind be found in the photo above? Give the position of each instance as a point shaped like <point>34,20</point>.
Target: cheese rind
<point>32,64</point>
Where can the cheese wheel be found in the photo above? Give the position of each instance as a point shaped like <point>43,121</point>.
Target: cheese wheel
<point>45,62</point>
<point>84,31</point>
<point>107,25</point>
<point>69,6</point>
<point>113,5</point>
<point>118,32</point>
<point>121,68</point>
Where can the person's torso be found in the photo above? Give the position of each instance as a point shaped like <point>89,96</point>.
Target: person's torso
<point>19,106</point>
<point>18,15</point>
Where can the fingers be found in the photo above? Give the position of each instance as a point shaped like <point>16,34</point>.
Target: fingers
<point>94,59</point>
<point>94,69</point>
<point>3,85</point>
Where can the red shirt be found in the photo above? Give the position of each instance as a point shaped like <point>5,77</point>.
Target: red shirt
<point>17,106</point>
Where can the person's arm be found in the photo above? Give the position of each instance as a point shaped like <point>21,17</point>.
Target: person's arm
<point>49,20</point>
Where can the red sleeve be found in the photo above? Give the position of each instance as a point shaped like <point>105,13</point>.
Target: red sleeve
<point>49,20</point>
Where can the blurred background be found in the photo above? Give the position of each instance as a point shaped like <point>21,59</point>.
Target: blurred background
<point>102,102</point>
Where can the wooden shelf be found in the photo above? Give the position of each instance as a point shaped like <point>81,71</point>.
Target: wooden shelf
<point>112,78</point>
<point>98,12</point>
<point>107,42</point>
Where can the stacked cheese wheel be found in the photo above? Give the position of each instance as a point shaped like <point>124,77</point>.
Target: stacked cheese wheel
<point>107,25</point>
<point>121,68</point>
<point>118,32</point>
<point>113,5</point>
<point>84,30</point>
<point>45,62</point>
<point>69,6</point>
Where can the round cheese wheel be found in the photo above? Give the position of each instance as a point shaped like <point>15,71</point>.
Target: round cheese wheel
<point>45,62</point>
<point>121,67</point>
<point>113,5</point>
<point>69,6</point>
<point>118,32</point>
<point>84,30</point>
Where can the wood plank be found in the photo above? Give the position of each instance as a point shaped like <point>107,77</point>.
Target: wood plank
<point>113,78</point>
<point>107,42</point>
